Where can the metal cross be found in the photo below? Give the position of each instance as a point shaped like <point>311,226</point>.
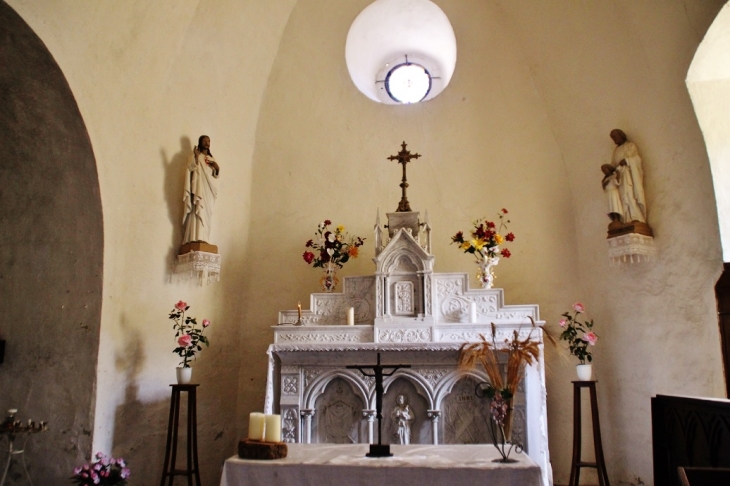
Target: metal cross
<point>403,157</point>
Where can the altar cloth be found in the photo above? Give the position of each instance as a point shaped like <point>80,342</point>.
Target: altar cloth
<point>416,465</point>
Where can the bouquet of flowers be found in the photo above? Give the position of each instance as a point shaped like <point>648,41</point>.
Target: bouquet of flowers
<point>485,238</point>
<point>332,247</point>
<point>578,344</point>
<point>104,471</point>
<point>188,334</point>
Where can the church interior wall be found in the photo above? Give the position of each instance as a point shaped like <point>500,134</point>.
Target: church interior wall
<point>524,125</point>
<point>51,258</point>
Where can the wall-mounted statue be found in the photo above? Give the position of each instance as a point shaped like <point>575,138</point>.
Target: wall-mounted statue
<point>200,193</point>
<point>623,185</point>
<point>402,418</point>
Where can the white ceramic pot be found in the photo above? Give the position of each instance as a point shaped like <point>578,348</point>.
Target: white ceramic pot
<point>585,372</point>
<point>184,375</point>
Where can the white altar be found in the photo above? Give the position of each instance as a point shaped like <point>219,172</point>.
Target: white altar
<point>326,465</point>
<point>411,316</point>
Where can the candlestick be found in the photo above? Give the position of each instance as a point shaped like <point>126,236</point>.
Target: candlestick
<point>351,316</point>
<point>256,426</point>
<point>273,428</point>
<point>299,314</point>
<point>473,312</point>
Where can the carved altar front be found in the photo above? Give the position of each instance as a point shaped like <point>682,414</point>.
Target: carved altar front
<point>410,315</point>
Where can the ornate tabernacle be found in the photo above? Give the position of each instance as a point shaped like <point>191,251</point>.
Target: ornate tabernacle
<point>410,316</point>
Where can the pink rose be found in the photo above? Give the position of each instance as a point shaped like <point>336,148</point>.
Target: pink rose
<point>563,322</point>
<point>185,340</point>
<point>206,323</point>
<point>578,307</point>
<point>590,338</point>
<point>181,305</point>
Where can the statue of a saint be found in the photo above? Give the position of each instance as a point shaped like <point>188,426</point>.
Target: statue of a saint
<point>200,192</point>
<point>626,175</point>
<point>402,417</point>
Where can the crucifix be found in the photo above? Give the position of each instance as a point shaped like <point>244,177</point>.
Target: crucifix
<point>403,157</point>
<point>379,450</point>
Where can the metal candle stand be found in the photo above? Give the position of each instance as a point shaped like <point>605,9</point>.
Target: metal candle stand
<point>14,428</point>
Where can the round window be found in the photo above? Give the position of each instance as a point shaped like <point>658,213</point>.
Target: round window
<point>408,83</point>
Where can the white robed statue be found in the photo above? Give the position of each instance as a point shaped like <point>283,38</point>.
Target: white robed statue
<point>403,417</point>
<point>630,178</point>
<point>200,193</point>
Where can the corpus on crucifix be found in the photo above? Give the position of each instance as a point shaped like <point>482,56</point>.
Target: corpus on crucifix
<point>403,157</point>
<point>379,450</point>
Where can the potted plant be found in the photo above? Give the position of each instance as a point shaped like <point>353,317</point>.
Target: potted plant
<point>579,335</point>
<point>189,338</point>
<point>103,470</point>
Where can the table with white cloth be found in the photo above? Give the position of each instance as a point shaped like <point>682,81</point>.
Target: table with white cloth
<point>417,465</point>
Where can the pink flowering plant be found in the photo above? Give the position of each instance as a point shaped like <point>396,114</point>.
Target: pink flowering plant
<point>187,333</point>
<point>104,471</point>
<point>578,334</point>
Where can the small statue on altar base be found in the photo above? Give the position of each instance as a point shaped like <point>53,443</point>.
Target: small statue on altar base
<point>402,417</point>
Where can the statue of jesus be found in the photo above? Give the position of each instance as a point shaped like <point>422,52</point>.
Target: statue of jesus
<point>200,192</point>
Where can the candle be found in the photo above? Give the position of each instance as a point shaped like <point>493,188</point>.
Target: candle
<point>299,310</point>
<point>273,428</point>
<point>473,312</point>
<point>256,424</point>
<point>351,316</point>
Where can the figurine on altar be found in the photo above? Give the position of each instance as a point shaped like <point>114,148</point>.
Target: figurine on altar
<point>200,192</point>
<point>402,417</point>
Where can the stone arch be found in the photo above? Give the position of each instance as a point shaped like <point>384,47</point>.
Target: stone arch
<point>52,259</point>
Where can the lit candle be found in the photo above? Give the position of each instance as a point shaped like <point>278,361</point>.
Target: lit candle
<point>273,428</point>
<point>351,316</point>
<point>256,424</point>
<point>473,312</point>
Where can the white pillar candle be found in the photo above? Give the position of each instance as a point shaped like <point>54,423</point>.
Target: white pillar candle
<point>351,316</point>
<point>473,312</point>
<point>273,428</point>
<point>256,426</point>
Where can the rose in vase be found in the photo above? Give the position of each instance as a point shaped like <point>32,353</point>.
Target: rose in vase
<point>189,336</point>
<point>579,334</point>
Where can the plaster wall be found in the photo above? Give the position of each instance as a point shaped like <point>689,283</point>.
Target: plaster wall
<point>149,78</point>
<point>605,65</point>
<point>51,257</point>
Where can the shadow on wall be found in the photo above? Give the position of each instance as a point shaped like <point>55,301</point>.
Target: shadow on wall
<point>138,434</point>
<point>173,187</point>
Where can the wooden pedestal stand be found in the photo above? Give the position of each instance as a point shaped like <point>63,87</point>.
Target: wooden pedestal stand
<point>192,469</point>
<point>600,463</point>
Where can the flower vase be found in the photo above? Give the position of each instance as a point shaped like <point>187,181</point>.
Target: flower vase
<point>584,371</point>
<point>485,274</point>
<point>329,278</point>
<point>184,375</point>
